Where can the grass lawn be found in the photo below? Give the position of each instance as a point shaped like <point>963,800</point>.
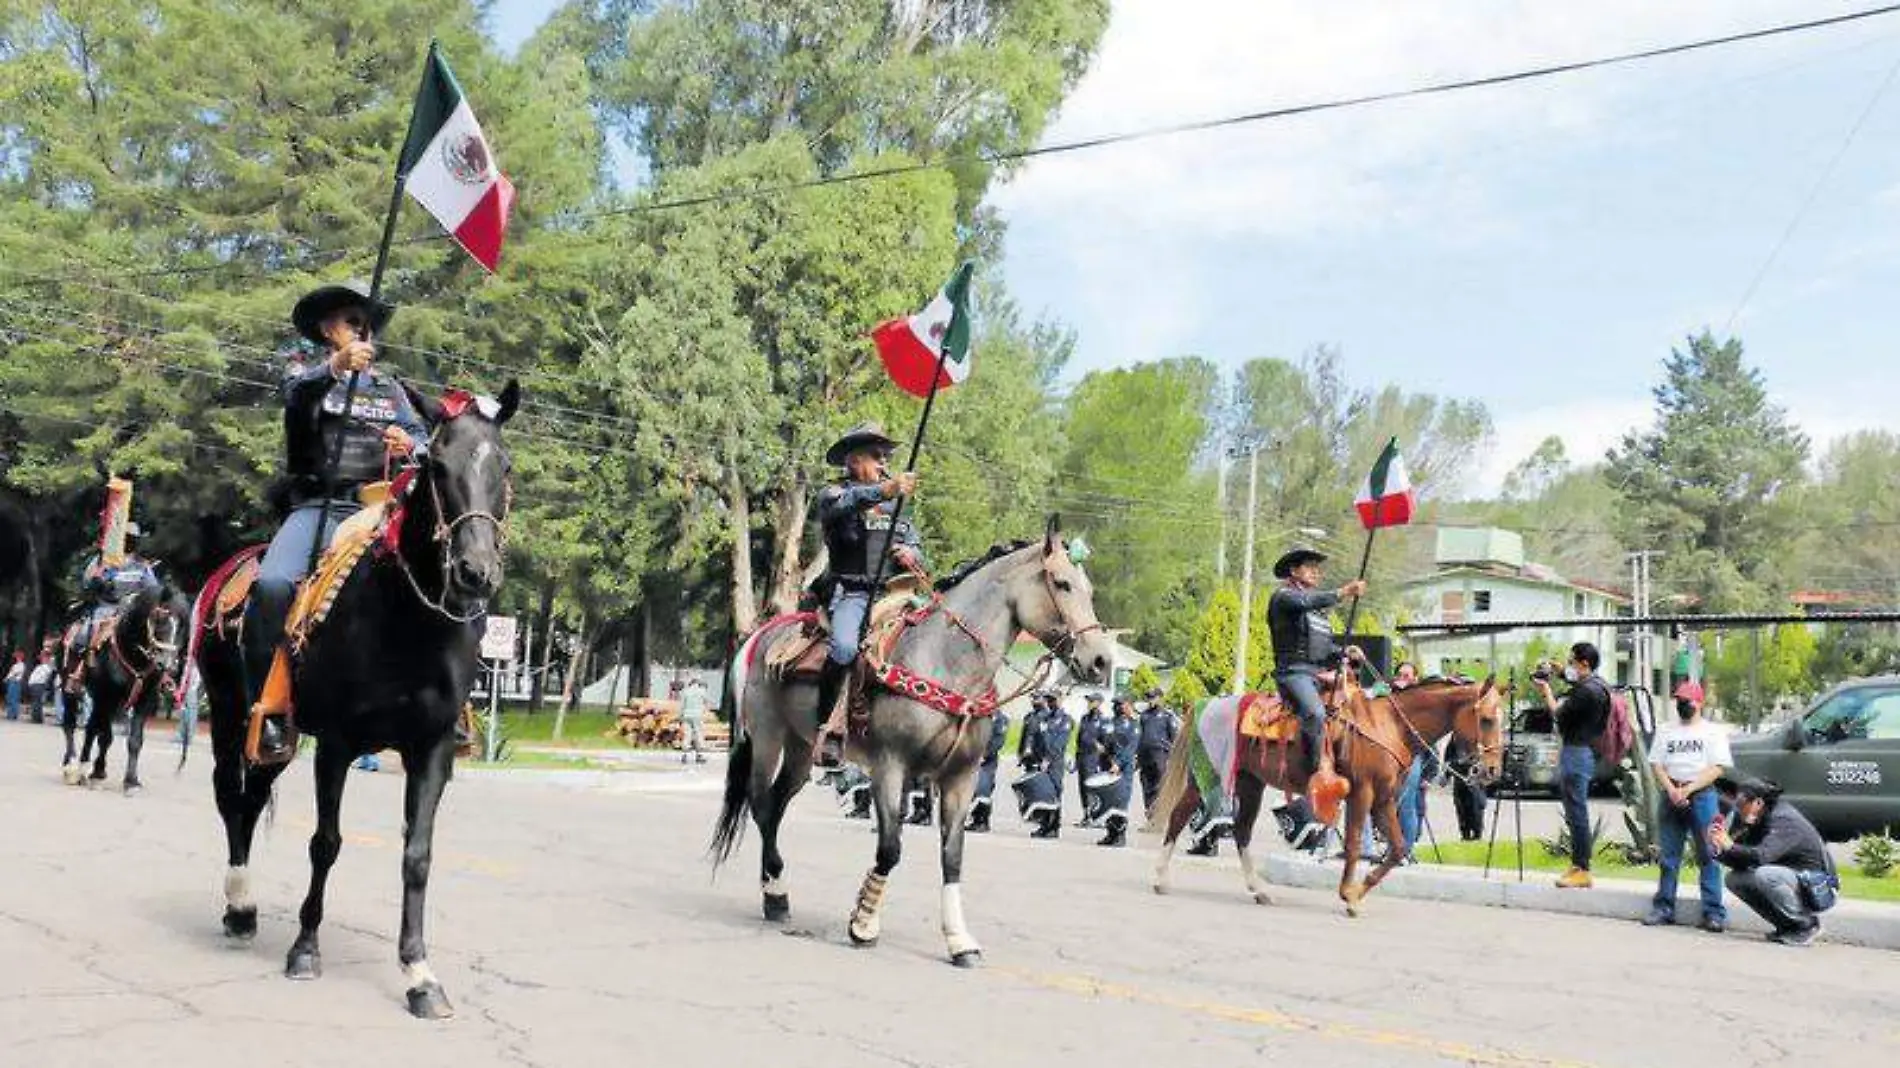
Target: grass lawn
<point>587,729</point>
<point>1537,858</point>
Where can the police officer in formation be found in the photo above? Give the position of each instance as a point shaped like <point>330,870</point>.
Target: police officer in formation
<point>1159,726</point>
<point>1120,738</point>
<point>1088,759</point>
<point>1043,757</point>
<point>979,821</point>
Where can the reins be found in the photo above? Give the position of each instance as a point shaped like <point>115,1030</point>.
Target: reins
<point>1412,732</point>
<point>443,535</point>
<point>153,649</point>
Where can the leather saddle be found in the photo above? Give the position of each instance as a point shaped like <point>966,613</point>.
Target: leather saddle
<point>315,594</point>
<point>801,657</point>
<point>1265,717</point>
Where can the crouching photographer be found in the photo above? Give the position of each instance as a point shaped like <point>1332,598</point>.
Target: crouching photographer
<point>1778,864</point>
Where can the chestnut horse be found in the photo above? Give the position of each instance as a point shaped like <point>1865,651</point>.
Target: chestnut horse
<point>1374,740</point>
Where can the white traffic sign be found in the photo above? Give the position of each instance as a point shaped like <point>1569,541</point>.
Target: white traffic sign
<point>498,641</point>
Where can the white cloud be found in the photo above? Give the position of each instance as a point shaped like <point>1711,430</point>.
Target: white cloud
<point>1588,429</point>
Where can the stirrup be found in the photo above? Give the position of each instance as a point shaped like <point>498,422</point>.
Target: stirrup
<point>272,703</point>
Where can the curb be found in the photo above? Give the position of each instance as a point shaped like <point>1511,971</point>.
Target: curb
<point>1854,923</point>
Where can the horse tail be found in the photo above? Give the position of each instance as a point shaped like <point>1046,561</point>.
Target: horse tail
<point>1175,779</point>
<point>732,814</point>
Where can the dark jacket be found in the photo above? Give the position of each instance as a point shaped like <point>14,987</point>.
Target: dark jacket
<point>1584,712</point>
<point>1302,634</point>
<point>1159,726</point>
<point>1782,837</point>
<point>314,420</point>
<point>1032,723</point>
<point>1047,746</point>
<point>999,733</point>
<point>1120,737</point>
<point>1088,739</point>
<point>856,519</point>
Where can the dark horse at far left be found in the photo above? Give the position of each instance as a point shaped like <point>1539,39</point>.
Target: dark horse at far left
<point>390,668</point>
<point>127,669</point>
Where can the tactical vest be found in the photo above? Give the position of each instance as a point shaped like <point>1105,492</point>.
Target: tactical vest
<point>856,544</point>
<point>379,403</point>
<point>1302,638</point>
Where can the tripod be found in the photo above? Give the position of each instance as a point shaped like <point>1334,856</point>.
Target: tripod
<point>1517,792</point>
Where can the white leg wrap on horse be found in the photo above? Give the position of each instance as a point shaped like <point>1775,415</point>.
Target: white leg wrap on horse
<point>955,934</point>
<point>773,886</point>
<point>1255,884</point>
<point>419,974</point>
<point>237,887</point>
<point>1161,865</point>
<point>865,923</point>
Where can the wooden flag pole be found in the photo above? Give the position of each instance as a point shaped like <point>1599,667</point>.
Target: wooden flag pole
<point>335,457</point>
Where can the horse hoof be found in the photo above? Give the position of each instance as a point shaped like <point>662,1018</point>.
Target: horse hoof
<point>303,965</point>
<point>428,1002</point>
<point>71,775</point>
<point>240,924</point>
<point>1161,889</point>
<point>969,958</point>
<point>858,940</point>
<point>133,789</point>
<point>1261,897</point>
<point>98,775</point>
<point>778,907</point>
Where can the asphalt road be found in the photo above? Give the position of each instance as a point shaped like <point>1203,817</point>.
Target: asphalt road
<point>575,922</point>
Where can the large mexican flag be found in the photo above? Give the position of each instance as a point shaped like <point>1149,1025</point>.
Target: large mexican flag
<point>913,348</point>
<point>449,169</point>
<point>1386,500</point>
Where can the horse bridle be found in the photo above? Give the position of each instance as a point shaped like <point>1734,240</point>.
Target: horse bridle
<point>443,538</point>
<point>157,652</point>
<point>1063,646</point>
<point>1415,738</point>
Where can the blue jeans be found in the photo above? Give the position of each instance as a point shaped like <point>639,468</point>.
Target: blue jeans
<point>1576,766</point>
<point>13,700</point>
<point>1410,809</point>
<point>284,565</point>
<point>1693,821</point>
<point>847,623</point>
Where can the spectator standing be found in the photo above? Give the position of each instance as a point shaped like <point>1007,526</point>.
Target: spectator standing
<point>692,698</point>
<point>1778,864</point>
<point>1581,716</point>
<point>16,682</point>
<point>39,683</point>
<point>1686,759</point>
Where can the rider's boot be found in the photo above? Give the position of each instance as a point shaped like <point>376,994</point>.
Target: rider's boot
<point>272,738</point>
<point>1325,789</point>
<point>831,723</point>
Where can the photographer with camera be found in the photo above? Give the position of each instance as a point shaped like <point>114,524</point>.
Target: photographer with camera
<point>1581,717</point>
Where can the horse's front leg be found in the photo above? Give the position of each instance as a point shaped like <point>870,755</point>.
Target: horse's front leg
<point>887,791</point>
<point>1178,819</point>
<point>1387,811</point>
<point>134,743</point>
<point>428,769</point>
<point>69,767</point>
<point>305,961</point>
<point>1351,891</point>
<point>953,802</point>
<point>99,735</point>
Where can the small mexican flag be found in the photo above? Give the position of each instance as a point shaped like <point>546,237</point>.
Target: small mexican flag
<point>912,349</point>
<point>448,169</point>
<point>1387,499</point>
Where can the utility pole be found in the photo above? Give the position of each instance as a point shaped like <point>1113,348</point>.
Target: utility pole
<point>1246,567</point>
<point>1220,548</point>
<point>1640,590</point>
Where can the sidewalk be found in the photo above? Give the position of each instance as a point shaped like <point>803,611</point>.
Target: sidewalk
<point>1855,923</point>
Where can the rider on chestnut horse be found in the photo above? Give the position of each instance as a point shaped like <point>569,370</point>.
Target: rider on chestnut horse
<point>856,513</point>
<point>340,321</point>
<point>1304,652</point>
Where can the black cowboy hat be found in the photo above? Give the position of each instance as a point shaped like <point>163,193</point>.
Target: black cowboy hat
<point>1294,557</point>
<point>320,303</point>
<point>857,438</point>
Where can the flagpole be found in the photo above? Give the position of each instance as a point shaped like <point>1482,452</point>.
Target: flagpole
<point>897,514</point>
<point>335,457</point>
<point>1365,560</point>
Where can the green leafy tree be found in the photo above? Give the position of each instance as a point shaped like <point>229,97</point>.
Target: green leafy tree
<point>1144,679</point>
<point>1711,482</point>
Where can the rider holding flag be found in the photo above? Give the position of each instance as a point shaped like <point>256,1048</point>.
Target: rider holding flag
<point>1304,652</point>
<point>341,322</point>
<point>859,516</point>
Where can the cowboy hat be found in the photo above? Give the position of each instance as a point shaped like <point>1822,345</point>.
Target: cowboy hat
<point>858,437</point>
<point>1294,557</point>
<point>322,302</point>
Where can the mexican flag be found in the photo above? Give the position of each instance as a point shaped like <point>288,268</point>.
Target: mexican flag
<point>448,169</point>
<point>913,348</point>
<point>1387,499</point>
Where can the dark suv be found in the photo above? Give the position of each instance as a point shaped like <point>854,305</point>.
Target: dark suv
<point>1839,761</point>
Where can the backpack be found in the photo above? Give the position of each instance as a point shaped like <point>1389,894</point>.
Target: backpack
<point>1619,734</point>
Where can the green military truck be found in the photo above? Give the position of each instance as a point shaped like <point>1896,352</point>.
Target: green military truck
<point>1839,761</point>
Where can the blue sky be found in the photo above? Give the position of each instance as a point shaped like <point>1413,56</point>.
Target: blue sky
<point>1537,246</point>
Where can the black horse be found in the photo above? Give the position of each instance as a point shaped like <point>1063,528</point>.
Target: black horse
<point>128,670</point>
<point>390,669</point>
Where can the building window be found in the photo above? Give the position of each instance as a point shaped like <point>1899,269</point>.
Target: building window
<point>1480,600</point>
<point>1576,604</point>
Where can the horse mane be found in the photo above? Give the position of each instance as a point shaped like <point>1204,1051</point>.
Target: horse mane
<point>970,567</point>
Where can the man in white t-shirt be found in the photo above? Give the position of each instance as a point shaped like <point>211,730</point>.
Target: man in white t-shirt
<point>1686,758</point>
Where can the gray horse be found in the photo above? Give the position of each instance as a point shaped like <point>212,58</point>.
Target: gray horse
<point>1034,587</point>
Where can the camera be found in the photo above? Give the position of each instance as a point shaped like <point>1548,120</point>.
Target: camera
<point>1544,671</point>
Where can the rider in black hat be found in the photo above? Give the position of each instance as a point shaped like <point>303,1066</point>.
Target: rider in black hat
<point>1303,645</point>
<point>339,324</point>
<point>856,513</point>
